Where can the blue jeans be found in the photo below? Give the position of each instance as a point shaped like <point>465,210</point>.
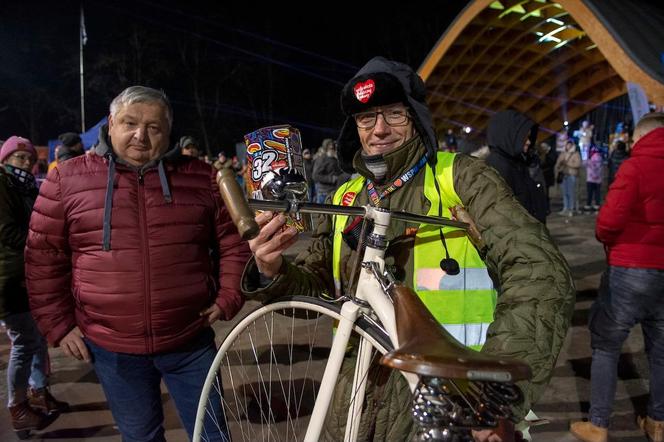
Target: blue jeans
<point>131,384</point>
<point>28,357</point>
<point>627,296</point>
<point>312,192</point>
<point>569,192</point>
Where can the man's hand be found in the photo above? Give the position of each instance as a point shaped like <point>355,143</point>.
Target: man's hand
<point>503,433</point>
<point>212,313</point>
<point>271,242</point>
<point>72,345</point>
<point>486,436</point>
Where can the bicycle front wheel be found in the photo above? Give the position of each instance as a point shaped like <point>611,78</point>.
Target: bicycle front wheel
<point>265,378</point>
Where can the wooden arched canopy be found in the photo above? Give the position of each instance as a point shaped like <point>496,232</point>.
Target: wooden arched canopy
<point>553,61</point>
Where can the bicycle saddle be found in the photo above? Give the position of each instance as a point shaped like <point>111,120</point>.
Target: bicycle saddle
<point>428,349</point>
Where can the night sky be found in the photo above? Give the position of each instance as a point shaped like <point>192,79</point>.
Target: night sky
<point>228,69</point>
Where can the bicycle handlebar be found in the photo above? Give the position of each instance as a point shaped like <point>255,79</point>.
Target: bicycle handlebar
<point>243,218</point>
<point>332,209</point>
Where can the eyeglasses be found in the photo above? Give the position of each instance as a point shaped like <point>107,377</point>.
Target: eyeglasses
<point>393,117</point>
<point>23,157</point>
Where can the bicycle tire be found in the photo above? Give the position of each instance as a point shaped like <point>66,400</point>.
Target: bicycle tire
<point>269,386</point>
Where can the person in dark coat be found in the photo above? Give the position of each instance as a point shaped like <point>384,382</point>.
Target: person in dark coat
<point>451,140</point>
<point>616,158</point>
<point>27,369</point>
<point>510,136</point>
<point>308,161</point>
<point>189,146</point>
<point>71,147</point>
<point>327,173</point>
<point>547,161</point>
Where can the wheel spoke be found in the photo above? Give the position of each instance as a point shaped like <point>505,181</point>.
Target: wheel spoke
<point>268,372</point>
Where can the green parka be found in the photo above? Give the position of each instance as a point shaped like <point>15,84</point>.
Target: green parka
<point>535,289</point>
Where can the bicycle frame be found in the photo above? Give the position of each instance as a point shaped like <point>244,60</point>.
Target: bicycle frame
<point>369,296</point>
<point>369,291</point>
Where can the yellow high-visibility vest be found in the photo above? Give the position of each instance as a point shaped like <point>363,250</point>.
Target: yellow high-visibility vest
<point>463,303</point>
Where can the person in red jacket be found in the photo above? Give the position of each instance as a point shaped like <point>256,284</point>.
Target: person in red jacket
<point>630,224</point>
<point>131,256</point>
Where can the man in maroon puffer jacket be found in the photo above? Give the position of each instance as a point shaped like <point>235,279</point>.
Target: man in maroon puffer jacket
<point>130,257</point>
<point>630,224</point>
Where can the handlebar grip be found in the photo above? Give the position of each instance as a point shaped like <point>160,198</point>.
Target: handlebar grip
<point>236,203</point>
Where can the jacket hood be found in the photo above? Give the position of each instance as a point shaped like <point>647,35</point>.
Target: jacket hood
<point>104,149</point>
<point>408,88</point>
<point>508,131</point>
<point>650,145</point>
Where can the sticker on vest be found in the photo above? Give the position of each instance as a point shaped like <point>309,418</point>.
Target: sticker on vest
<point>348,198</point>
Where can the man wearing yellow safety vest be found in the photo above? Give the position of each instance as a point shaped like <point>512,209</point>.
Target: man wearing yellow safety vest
<point>512,293</point>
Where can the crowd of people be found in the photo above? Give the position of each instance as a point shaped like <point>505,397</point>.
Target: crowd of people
<point>128,268</point>
<point>512,150</point>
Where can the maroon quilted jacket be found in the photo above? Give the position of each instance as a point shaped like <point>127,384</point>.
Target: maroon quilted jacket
<point>130,256</point>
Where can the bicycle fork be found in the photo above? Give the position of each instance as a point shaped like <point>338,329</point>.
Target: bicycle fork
<point>368,288</point>
<point>349,314</point>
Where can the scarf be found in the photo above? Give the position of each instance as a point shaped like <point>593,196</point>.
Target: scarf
<point>25,178</point>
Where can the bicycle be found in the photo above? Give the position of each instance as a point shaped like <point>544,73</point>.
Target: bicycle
<point>270,388</point>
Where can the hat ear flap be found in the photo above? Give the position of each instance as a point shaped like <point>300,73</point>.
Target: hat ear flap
<point>417,88</point>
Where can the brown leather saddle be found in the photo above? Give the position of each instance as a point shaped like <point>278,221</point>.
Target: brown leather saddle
<point>428,349</point>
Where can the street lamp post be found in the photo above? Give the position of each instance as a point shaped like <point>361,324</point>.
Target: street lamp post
<point>82,40</point>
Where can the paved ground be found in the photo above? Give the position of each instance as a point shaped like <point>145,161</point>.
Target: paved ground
<point>566,398</point>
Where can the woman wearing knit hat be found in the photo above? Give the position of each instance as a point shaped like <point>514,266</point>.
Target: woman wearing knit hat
<point>30,403</point>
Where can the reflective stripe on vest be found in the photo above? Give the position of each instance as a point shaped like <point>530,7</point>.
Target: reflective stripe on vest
<point>463,303</point>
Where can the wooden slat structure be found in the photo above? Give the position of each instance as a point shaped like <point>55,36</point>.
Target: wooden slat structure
<point>553,61</point>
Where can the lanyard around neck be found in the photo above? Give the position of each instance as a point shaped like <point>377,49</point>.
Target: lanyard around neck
<point>375,197</point>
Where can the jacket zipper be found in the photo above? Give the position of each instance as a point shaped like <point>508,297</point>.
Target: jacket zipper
<point>142,221</point>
